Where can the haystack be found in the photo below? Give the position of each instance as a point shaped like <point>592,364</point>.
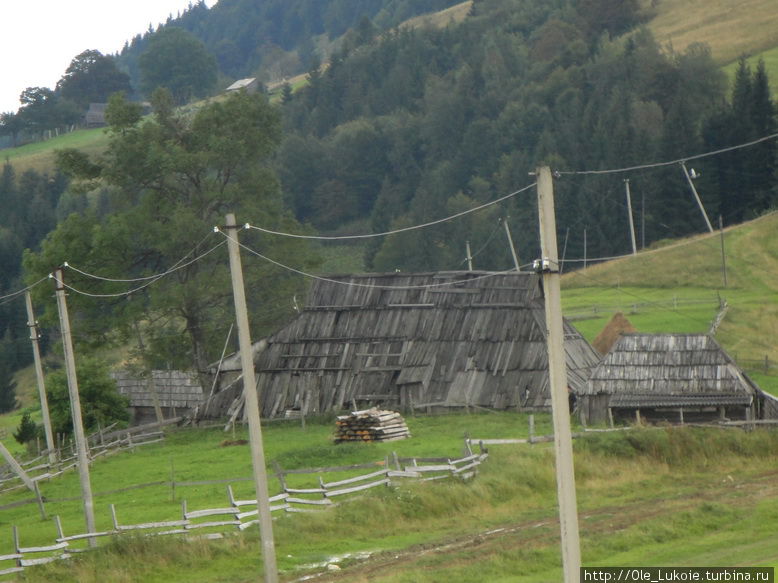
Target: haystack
<point>617,326</point>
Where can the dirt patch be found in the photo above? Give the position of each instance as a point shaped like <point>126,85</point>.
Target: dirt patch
<point>229,442</point>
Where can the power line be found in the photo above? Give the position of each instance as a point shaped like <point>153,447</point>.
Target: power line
<point>367,285</point>
<point>13,295</point>
<point>673,162</point>
<point>395,231</point>
<point>176,266</point>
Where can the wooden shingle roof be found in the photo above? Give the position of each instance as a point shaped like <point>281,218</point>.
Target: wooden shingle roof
<point>669,370</point>
<point>448,339</point>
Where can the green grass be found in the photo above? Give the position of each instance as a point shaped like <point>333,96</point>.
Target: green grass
<point>730,30</point>
<point>664,496</point>
<point>40,156</point>
<point>770,58</point>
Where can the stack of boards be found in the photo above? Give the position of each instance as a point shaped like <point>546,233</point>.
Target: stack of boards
<point>371,425</point>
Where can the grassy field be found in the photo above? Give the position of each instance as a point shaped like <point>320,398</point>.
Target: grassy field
<point>676,288</point>
<point>664,496</point>
<point>731,29</point>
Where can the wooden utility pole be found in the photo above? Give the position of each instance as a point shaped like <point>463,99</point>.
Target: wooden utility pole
<point>557,373</point>
<point>32,324</point>
<point>510,242</point>
<point>697,197</point>
<point>75,405</point>
<point>252,405</point>
<point>631,222</point>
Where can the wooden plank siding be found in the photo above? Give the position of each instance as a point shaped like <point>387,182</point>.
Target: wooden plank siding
<point>453,339</point>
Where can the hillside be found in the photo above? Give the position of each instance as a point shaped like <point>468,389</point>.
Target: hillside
<point>692,269</point>
<point>748,27</point>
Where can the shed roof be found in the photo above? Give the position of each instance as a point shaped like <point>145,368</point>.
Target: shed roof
<point>669,370</point>
<point>242,84</point>
<point>446,338</point>
<point>175,388</point>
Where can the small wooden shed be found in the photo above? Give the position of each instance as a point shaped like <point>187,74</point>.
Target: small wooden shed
<point>671,377</point>
<point>177,392</point>
<point>428,341</point>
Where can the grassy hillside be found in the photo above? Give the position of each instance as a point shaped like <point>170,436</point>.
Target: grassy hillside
<point>39,156</point>
<point>731,29</point>
<point>652,497</point>
<point>677,289</point>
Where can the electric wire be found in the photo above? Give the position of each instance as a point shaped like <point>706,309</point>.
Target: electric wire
<point>671,162</point>
<point>366,285</point>
<point>176,266</point>
<point>395,231</point>
<point>13,295</point>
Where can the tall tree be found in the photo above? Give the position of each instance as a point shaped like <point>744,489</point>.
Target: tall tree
<point>177,60</point>
<point>92,77</point>
<point>172,179</point>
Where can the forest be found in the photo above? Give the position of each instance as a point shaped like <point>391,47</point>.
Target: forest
<point>401,127</point>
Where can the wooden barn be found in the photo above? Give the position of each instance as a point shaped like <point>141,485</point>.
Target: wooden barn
<point>671,377</point>
<point>176,392</point>
<point>424,340</point>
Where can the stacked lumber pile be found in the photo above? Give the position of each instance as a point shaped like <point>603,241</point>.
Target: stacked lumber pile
<point>371,425</point>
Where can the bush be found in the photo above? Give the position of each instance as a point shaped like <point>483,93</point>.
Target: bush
<point>27,430</point>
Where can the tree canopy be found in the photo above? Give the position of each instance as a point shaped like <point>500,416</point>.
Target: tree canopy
<point>177,60</point>
<point>170,180</point>
<point>92,77</point>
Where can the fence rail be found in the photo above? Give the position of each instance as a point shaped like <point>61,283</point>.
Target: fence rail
<point>235,517</point>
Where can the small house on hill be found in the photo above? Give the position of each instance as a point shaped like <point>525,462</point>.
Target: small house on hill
<point>401,341</point>
<point>671,377</point>
<point>176,392</point>
<point>95,115</point>
<point>250,85</point>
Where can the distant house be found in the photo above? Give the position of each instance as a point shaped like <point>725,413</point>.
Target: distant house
<point>95,115</point>
<point>671,377</point>
<point>430,341</point>
<point>250,85</point>
<point>178,393</point>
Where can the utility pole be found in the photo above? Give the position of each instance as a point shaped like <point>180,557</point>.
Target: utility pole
<point>252,405</point>
<point>469,256</point>
<point>32,324</point>
<point>563,442</point>
<point>723,256</point>
<point>642,220</point>
<point>510,242</point>
<point>631,223</point>
<point>75,404</point>
<point>697,197</point>
<point>564,252</point>
<point>584,247</point>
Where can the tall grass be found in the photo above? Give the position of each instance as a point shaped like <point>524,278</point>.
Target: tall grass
<point>652,496</point>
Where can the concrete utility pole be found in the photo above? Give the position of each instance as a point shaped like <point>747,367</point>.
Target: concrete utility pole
<point>697,197</point>
<point>469,256</point>
<point>631,222</point>
<point>75,405</point>
<point>252,405</point>
<point>32,324</point>
<point>563,441</point>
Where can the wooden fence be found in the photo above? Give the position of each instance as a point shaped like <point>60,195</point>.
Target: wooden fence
<point>238,515</point>
<point>101,443</point>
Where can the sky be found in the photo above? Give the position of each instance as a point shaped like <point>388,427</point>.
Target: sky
<point>39,39</point>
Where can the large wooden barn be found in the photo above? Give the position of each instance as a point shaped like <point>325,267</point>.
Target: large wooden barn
<point>671,377</point>
<point>402,341</point>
